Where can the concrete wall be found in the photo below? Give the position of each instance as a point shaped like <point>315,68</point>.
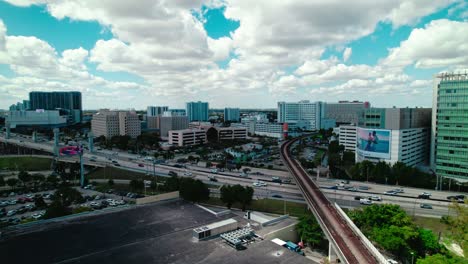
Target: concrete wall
<point>286,233</point>
<point>157,198</point>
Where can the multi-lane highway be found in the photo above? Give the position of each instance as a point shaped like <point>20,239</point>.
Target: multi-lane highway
<point>350,247</point>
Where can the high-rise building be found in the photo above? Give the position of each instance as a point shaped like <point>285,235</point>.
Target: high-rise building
<point>129,124</point>
<point>345,112</point>
<point>197,111</point>
<point>169,122</point>
<point>449,148</point>
<point>232,114</point>
<point>25,105</point>
<point>305,112</point>
<point>38,118</point>
<point>113,123</point>
<point>156,110</point>
<point>68,101</point>
<point>347,137</point>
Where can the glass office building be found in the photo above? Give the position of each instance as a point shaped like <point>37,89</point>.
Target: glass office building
<point>449,155</point>
<point>197,111</point>
<point>67,101</point>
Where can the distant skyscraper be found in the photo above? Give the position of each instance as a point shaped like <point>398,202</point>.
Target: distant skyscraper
<point>197,111</point>
<point>232,114</point>
<point>310,114</point>
<point>68,101</point>
<point>449,148</point>
<point>156,110</point>
<point>113,123</point>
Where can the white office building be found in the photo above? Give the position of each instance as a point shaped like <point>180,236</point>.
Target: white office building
<point>114,123</point>
<point>347,137</point>
<point>309,113</point>
<point>38,118</point>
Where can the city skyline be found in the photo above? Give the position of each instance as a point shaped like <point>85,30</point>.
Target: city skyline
<point>122,55</point>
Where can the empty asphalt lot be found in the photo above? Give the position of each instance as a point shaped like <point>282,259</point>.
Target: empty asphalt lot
<point>158,233</point>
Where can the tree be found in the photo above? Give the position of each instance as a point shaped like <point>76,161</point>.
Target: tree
<point>244,196</point>
<point>458,224</point>
<point>193,190</point>
<point>246,170</point>
<point>53,180</point>
<point>110,182</point>
<point>56,209</point>
<point>40,203</point>
<point>37,178</point>
<point>2,181</point>
<point>309,230</point>
<point>136,185</point>
<point>238,166</point>
<point>442,259</point>
<point>228,196</point>
<point>429,242</point>
<point>12,182</point>
<point>171,184</point>
<point>24,177</point>
<point>209,164</point>
<point>65,195</point>
<point>381,172</point>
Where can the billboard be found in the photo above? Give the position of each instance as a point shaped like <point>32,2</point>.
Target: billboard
<point>71,150</point>
<point>373,142</point>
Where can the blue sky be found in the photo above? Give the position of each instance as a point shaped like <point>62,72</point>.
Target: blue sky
<point>257,51</point>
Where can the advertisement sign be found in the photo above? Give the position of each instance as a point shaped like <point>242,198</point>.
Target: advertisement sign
<point>373,142</point>
<point>71,150</point>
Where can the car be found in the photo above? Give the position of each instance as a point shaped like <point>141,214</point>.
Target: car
<point>4,203</point>
<point>30,207</point>
<point>276,179</point>
<point>332,187</point>
<point>277,196</point>
<point>213,179</point>
<point>287,181</point>
<point>12,202</point>
<point>188,173</point>
<point>89,187</point>
<point>21,200</point>
<point>456,197</point>
<point>140,165</point>
<point>120,202</point>
<point>424,196</point>
<point>357,198</point>
<point>375,198</point>
<point>92,160</point>
<point>362,187</point>
<point>214,170</point>
<point>171,173</point>
<point>243,174</point>
<point>365,201</point>
<point>11,212</point>
<point>426,193</point>
<point>391,261</point>
<point>117,164</point>
<point>392,193</point>
<point>256,184</point>
<point>398,190</point>
<point>97,197</point>
<point>425,206</point>
<point>29,196</point>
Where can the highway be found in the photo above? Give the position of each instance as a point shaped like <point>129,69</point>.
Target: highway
<point>349,245</point>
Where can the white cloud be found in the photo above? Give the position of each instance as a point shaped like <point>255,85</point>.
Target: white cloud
<point>441,43</point>
<point>346,54</point>
<point>163,43</point>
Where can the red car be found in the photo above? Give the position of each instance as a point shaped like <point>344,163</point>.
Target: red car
<point>141,165</point>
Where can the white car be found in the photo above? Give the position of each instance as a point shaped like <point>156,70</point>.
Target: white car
<point>365,201</point>
<point>120,202</point>
<point>36,216</point>
<point>187,173</point>
<point>375,198</point>
<point>11,212</point>
<point>426,193</point>
<point>391,261</point>
<point>110,200</point>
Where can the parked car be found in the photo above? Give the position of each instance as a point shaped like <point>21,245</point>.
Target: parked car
<point>11,212</point>
<point>426,206</point>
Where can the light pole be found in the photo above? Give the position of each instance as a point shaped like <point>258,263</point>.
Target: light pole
<point>412,257</point>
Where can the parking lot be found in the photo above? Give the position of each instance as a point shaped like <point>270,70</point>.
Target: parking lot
<point>16,208</point>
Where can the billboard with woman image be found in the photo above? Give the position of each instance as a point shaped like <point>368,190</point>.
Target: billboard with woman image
<point>374,142</point>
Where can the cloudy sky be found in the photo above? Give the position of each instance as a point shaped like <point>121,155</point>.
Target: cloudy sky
<point>130,54</point>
